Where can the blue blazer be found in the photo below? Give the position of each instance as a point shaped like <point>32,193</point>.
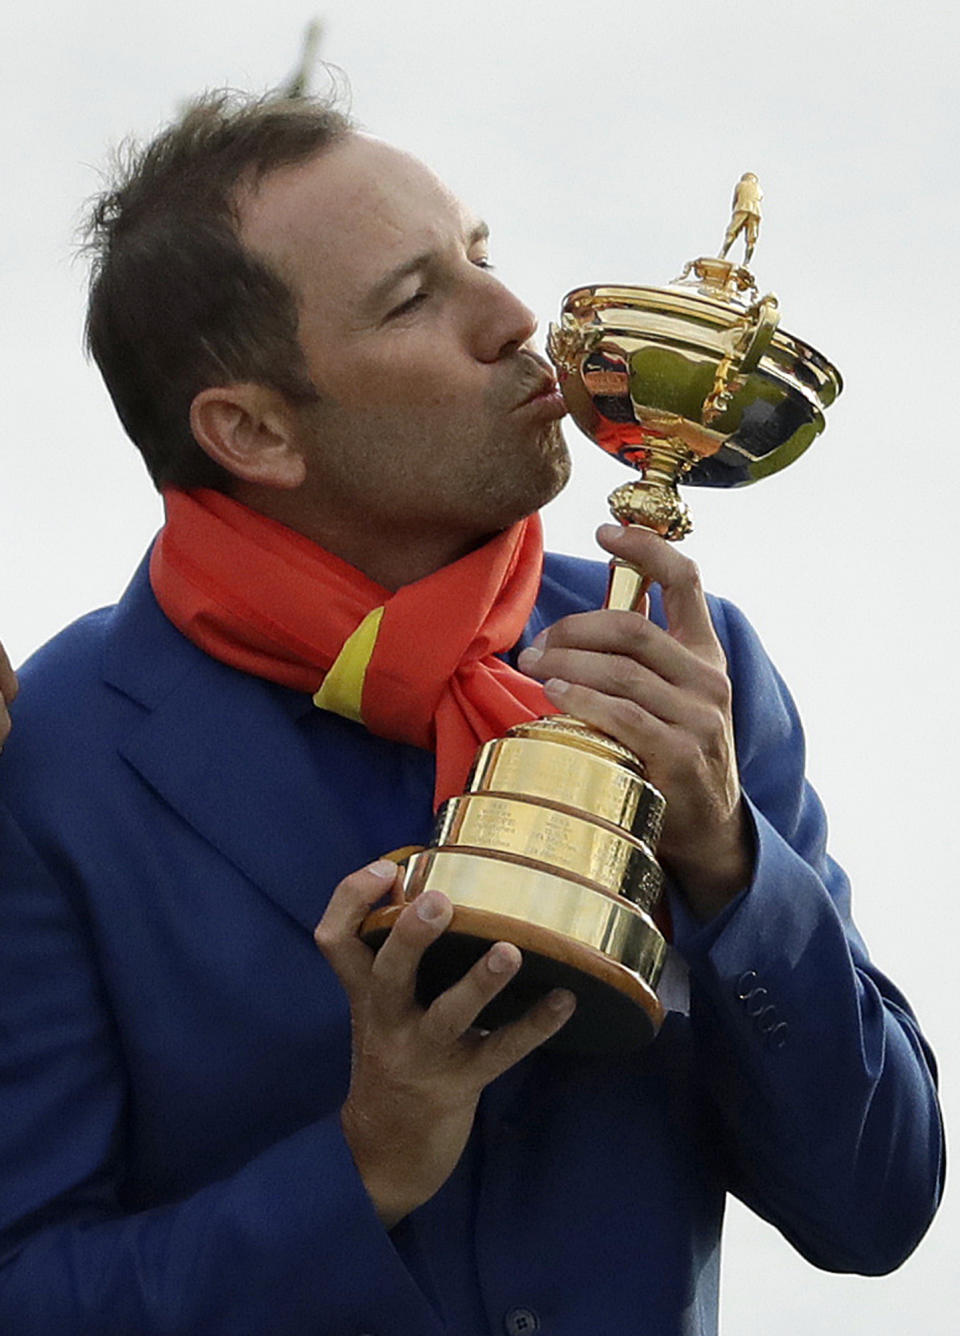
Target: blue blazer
<point>174,1051</point>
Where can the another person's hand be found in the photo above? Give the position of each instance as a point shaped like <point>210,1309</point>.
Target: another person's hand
<point>666,695</point>
<point>8,690</point>
<point>417,1074</point>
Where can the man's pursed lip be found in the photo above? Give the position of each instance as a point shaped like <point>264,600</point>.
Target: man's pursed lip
<point>545,396</point>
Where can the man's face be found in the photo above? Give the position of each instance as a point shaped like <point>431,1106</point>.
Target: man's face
<point>435,414</point>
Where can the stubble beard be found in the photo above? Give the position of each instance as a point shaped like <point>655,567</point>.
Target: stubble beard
<point>511,485</point>
<point>507,485</point>
<point>555,465</point>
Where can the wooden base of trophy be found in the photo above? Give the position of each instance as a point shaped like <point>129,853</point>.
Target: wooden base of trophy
<point>616,1008</point>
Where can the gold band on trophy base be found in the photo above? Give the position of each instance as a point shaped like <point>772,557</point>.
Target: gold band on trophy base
<point>552,845</point>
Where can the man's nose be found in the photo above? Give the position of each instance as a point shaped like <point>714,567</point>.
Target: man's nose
<point>502,323</point>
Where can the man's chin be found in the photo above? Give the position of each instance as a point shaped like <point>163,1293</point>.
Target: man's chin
<point>526,481</point>
<point>557,456</point>
<point>549,483</point>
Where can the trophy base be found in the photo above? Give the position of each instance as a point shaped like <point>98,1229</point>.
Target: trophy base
<point>603,948</point>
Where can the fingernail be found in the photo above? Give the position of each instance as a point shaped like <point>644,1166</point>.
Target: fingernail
<point>540,639</point>
<point>556,686</point>
<point>561,1000</point>
<point>610,533</point>
<point>383,868</point>
<point>530,656</point>
<point>503,958</point>
<point>431,905</point>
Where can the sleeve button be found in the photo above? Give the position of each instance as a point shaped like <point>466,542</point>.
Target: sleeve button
<point>746,984</point>
<point>756,1003</point>
<point>778,1035</point>
<point>521,1322</point>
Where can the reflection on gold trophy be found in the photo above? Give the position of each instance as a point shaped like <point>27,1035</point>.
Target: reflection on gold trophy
<point>552,846</point>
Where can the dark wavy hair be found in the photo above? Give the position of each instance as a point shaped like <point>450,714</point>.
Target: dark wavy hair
<point>176,303</point>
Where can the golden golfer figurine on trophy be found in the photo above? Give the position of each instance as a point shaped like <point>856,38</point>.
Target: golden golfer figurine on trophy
<point>552,846</point>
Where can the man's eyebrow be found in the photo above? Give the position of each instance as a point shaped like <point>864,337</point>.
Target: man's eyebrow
<point>383,286</point>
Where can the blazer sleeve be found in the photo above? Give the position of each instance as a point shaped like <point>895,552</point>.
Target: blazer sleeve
<point>824,1085</point>
<point>288,1244</point>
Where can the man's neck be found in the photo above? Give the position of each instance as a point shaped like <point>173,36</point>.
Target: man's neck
<point>389,557</point>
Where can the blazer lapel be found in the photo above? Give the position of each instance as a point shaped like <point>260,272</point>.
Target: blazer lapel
<point>226,752</point>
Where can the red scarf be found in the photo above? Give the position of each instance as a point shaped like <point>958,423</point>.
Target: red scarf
<point>421,668</point>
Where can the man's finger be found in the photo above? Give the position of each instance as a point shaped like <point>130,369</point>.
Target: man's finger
<point>622,719</point>
<point>336,933</point>
<point>609,631</point>
<point>613,675</point>
<point>506,1046</point>
<point>688,617</point>
<point>450,1015</point>
<point>394,972</point>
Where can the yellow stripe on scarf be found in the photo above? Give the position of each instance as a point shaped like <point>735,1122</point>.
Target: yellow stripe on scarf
<point>342,689</point>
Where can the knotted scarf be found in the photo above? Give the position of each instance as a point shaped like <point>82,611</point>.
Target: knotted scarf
<point>416,666</point>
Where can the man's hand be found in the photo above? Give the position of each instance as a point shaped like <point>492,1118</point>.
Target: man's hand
<point>417,1075</point>
<point>8,690</point>
<point>666,696</point>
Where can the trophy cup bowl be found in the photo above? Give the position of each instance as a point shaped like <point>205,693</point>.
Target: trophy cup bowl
<point>552,844</point>
<point>688,383</point>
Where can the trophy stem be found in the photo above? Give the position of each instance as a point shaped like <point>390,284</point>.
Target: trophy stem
<point>627,587</point>
<point>654,501</point>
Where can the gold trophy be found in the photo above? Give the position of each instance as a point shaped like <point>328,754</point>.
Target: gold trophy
<point>552,845</point>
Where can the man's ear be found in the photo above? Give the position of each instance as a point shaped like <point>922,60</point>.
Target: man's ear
<point>250,431</point>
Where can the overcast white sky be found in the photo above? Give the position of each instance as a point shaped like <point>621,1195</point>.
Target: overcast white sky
<point>602,143</point>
